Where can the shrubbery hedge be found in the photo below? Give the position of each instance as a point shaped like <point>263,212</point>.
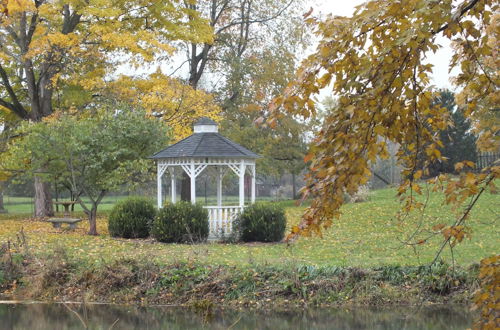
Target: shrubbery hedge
<point>182,222</point>
<point>131,218</point>
<point>261,222</point>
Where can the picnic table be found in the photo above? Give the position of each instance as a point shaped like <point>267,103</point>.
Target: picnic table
<point>57,222</point>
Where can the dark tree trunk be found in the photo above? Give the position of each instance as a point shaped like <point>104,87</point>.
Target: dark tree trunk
<point>93,221</point>
<point>57,196</point>
<point>2,209</point>
<point>73,199</point>
<point>185,187</point>
<point>43,199</point>
<point>294,186</point>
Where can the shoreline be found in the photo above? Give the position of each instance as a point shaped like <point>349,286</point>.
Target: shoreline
<point>183,284</point>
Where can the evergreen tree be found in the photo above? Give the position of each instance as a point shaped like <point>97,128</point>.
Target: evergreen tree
<point>459,143</point>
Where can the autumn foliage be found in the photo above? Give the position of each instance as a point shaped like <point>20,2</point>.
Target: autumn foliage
<point>487,298</point>
<point>374,64</point>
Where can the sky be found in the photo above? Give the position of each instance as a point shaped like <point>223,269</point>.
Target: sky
<point>440,60</point>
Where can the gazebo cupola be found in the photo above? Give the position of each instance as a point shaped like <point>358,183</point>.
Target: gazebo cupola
<point>207,148</point>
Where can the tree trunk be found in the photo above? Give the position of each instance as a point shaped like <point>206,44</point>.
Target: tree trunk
<point>41,106</point>
<point>57,196</point>
<point>294,188</point>
<point>2,209</point>
<point>43,199</point>
<point>93,221</point>
<point>185,187</point>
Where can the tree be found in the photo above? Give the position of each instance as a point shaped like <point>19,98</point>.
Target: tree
<point>459,144</point>
<point>374,63</point>
<point>177,104</point>
<point>252,56</point>
<point>7,121</point>
<point>94,152</point>
<point>237,25</point>
<point>45,45</point>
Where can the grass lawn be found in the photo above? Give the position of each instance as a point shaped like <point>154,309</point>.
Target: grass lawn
<point>24,205</point>
<point>367,235</point>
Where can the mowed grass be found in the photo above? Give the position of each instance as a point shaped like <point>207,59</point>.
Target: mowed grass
<point>367,235</point>
<point>24,205</point>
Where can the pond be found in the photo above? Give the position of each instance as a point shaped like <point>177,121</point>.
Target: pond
<point>74,316</point>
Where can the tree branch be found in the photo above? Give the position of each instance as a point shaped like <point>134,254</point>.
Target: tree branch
<point>262,20</point>
<point>16,106</point>
<point>457,15</point>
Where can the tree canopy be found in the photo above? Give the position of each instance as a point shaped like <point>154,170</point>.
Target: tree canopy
<point>93,152</point>
<point>459,142</point>
<point>57,55</point>
<point>374,64</point>
<point>48,43</point>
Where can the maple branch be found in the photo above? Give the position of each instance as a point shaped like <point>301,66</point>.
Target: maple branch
<point>262,20</point>
<point>476,59</point>
<point>71,20</point>
<point>463,217</point>
<point>16,106</point>
<point>457,15</point>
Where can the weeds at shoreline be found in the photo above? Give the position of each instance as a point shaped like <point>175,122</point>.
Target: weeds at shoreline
<point>132,281</point>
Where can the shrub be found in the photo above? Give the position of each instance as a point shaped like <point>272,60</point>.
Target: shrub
<point>131,218</point>
<point>362,195</point>
<point>182,222</point>
<point>262,222</point>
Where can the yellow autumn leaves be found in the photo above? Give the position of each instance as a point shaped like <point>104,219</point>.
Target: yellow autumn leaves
<point>373,64</point>
<point>367,234</point>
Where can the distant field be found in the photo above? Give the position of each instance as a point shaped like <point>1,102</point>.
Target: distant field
<point>24,205</point>
<point>367,235</point>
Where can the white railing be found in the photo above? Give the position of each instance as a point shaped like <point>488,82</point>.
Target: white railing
<point>220,220</point>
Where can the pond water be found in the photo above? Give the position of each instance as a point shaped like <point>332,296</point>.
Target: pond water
<point>74,316</point>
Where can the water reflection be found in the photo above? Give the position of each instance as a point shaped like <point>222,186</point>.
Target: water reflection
<point>57,316</point>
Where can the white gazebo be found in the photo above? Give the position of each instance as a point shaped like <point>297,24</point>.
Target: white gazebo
<point>206,148</point>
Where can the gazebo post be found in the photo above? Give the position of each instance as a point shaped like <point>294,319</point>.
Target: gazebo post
<point>173,183</point>
<point>161,169</point>
<point>252,198</point>
<point>242,183</point>
<point>219,185</point>
<point>193,183</point>
<point>158,182</point>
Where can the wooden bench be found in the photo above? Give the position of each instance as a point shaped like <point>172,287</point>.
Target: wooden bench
<point>56,222</point>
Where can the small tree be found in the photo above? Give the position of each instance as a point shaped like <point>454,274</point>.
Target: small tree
<point>459,143</point>
<point>95,153</point>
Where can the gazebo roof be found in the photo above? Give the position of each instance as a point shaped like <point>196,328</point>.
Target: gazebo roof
<point>205,144</point>
<point>205,121</point>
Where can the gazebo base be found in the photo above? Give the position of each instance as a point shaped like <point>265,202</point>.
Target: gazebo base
<point>220,220</point>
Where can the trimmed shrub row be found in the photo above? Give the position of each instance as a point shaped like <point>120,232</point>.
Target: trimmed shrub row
<point>131,218</point>
<point>261,222</point>
<point>181,222</point>
<point>184,222</point>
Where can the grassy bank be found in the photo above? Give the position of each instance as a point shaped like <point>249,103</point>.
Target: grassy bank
<point>131,281</point>
<point>360,260</point>
<point>367,235</point>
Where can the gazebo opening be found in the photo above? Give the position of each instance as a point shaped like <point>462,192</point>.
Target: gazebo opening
<point>208,152</point>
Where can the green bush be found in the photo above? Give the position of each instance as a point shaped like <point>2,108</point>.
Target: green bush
<point>182,222</point>
<point>131,218</point>
<point>262,222</point>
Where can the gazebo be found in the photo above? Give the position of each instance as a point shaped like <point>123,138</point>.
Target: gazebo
<point>193,155</point>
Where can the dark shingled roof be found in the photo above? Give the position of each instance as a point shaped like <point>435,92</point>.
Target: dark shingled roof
<point>205,145</point>
<point>205,121</point>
